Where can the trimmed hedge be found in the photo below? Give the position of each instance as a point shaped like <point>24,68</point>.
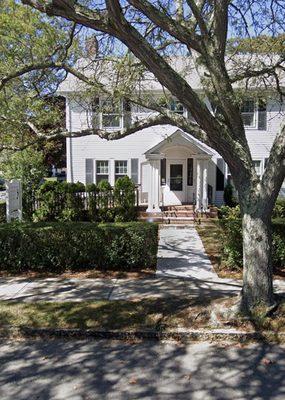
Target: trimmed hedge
<point>56,247</point>
<point>230,221</point>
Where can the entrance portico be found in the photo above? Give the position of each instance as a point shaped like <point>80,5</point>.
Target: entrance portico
<point>178,173</point>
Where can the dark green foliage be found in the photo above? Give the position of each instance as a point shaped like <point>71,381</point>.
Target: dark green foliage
<point>55,247</point>
<point>92,190</point>
<point>75,202</point>
<point>73,209</point>
<point>2,212</point>
<point>229,198</point>
<point>279,209</point>
<point>124,196</point>
<point>230,220</point>
<point>51,202</point>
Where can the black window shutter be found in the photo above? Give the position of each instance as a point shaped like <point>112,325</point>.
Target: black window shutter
<point>190,171</point>
<point>220,177</point>
<point>163,172</point>
<point>89,172</point>
<point>262,115</point>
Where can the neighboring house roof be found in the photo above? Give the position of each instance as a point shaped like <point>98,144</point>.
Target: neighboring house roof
<point>182,139</point>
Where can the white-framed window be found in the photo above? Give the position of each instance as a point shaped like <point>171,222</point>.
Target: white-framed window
<point>121,168</point>
<point>257,166</point>
<point>254,114</point>
<point>248,113</point>
<point>111,112</point>
<point>102,170</point>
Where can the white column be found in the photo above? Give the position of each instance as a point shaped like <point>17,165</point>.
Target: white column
<point>150,189</point>
<point>205,184</point>
<point>154,186</point>
<point>198,185</point>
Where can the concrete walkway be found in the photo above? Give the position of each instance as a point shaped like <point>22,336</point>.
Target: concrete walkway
<point>181,254</point>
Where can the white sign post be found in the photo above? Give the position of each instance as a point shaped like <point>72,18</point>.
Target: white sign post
<point>14,200</point>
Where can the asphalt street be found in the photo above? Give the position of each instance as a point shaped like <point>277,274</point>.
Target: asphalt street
<point>87,370</point>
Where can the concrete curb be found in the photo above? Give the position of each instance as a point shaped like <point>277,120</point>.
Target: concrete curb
<point>175,335</point>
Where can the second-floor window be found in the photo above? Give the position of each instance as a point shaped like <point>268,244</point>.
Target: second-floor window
<point>248,113</point>
<point>254,114</point>
<point>111,113</point>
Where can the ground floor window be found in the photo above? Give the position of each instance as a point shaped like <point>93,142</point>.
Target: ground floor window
<point>102,170</point>
<point>121,169</point>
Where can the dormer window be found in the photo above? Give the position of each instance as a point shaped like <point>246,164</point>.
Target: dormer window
<point>176,107</point>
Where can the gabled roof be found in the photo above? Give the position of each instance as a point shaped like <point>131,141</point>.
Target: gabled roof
<point>180,138</point>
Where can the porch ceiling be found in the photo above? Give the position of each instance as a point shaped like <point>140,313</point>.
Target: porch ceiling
<point>179,138</point>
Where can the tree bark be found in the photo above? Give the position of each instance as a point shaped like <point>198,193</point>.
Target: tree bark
<point>257,266</point>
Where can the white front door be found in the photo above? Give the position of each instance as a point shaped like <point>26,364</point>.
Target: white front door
<point>175,189</point>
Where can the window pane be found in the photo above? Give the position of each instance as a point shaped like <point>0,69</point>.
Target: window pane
<point>111,121</point>
<point>247,106</point>
<point>248,119</point>
<point>102,167</point>
<point>100,178</point>
<point>176,107</point>
<point>121,167</point>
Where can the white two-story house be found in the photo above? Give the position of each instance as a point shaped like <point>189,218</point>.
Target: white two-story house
<point>169,166</point>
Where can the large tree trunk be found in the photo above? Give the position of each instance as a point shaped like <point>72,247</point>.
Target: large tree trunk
<point>257,266</point>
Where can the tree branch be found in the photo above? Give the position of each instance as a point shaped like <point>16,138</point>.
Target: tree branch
<point>174,28</point>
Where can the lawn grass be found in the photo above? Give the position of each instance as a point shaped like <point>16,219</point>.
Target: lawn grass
<point>123,315</point>
<point>116,314</point>
<point>211,236</point>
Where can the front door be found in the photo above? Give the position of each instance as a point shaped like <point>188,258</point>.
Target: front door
<point>176,177</point>
<point>175,189</point>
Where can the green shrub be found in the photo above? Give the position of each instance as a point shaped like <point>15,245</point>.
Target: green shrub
<point>51,202</point>
<point>55,247</point>
<point>73,207</point>
<point>2,212</point>
<point>230,221</point>
<point>104,197</point>
<point>124,197</point>
<point>279,209</point>
<point>60,201</point>
<point>92,191</point>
